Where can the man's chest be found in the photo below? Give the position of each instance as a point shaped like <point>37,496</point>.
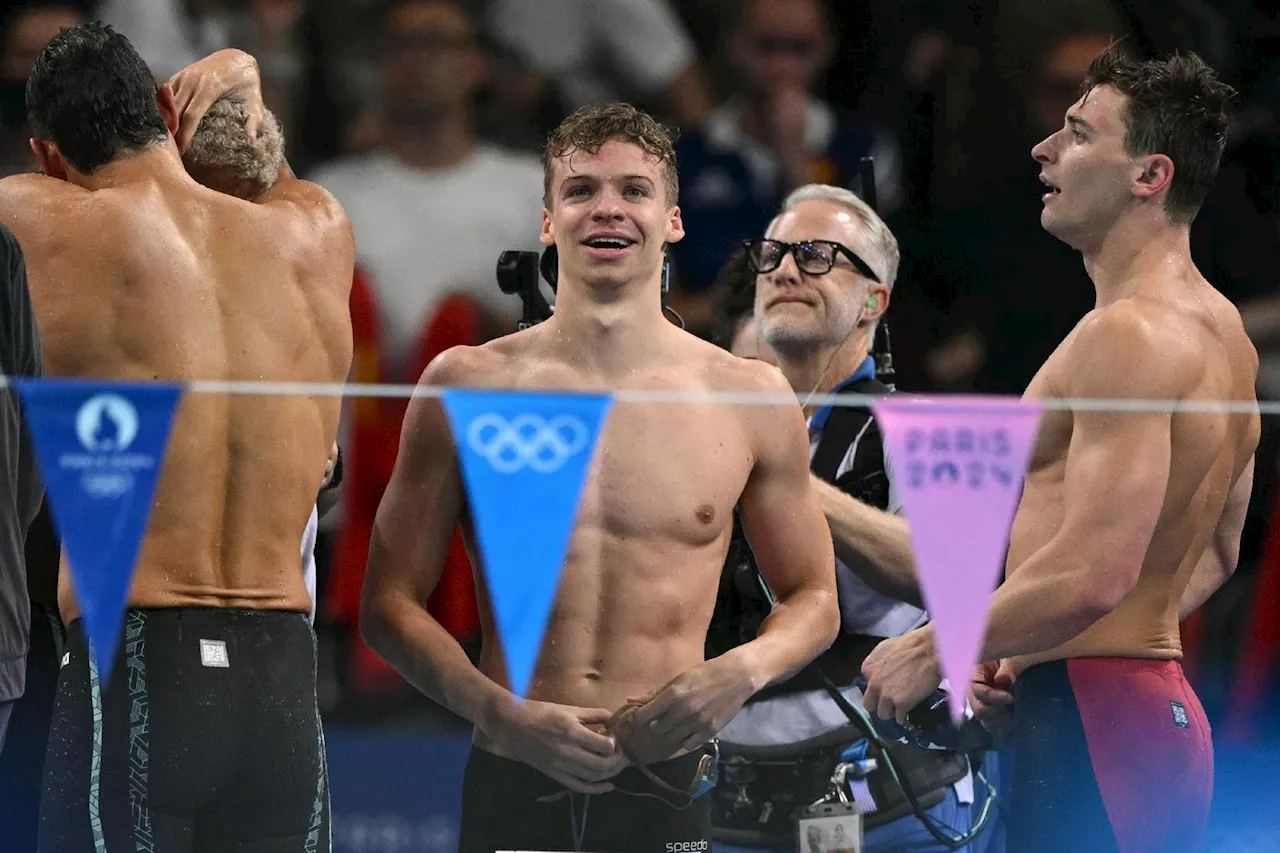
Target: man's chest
<point>1051,386</point>
<point>670,470</point>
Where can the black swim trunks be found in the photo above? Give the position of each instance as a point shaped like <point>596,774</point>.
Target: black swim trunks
<point>206,738</point>
<point>507,805</point>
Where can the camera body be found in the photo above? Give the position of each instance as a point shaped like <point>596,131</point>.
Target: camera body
<point>518,276</point>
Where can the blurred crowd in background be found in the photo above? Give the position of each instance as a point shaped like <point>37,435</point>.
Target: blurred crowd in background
<point>426,119</point>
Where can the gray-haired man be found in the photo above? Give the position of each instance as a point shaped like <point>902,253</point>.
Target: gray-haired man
<point>824,272</point>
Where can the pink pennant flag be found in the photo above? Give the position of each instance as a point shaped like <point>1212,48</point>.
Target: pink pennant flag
<point>959,464</point>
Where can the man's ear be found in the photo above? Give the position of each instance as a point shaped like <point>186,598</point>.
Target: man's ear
<point>50,160</point>
<point>168,109</point>
<point>547,236</point>
<point>877,303</point>
<point>675,226</point>
<point>1156,176</point>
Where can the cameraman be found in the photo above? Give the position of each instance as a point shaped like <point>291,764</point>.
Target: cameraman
<point>822,279</point>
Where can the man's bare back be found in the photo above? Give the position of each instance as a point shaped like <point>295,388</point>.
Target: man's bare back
<point>158,278</point>
<point>138,273</point>
<point>1208,358</point>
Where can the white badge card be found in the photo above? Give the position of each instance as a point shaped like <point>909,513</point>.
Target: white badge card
<point>829,828</point>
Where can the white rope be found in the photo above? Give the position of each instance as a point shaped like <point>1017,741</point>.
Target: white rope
<point>743,398</point>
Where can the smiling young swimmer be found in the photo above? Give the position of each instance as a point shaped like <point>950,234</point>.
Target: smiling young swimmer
<point>643,567</point>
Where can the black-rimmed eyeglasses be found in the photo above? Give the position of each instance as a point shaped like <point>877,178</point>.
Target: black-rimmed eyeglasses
<point>815,257</point>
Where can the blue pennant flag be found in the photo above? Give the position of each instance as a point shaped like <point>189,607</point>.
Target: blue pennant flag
<point>524,458</point>
<point>100,446</point>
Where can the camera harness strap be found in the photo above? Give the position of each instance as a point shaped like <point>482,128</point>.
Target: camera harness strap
<point>842,426</point>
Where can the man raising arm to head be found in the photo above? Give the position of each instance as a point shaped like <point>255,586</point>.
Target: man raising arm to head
<point>139,273</point>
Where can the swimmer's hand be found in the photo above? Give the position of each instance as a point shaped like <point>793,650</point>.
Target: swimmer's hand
<point>693,707</point>
<point>560,741</point>
<point>992,699</point>
<point>330,465</point>
<point>199,85</point>
<point>901,672</point>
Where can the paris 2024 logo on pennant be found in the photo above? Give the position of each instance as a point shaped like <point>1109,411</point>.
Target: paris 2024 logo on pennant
<point>101,448</point>
<point>106,426</point>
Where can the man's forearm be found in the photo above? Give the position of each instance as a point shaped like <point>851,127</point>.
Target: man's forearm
<point>1047,602</point>
<point>430,659</point>
<point>797,630</point>
<point>882,538</point>
<point>1209,575</point>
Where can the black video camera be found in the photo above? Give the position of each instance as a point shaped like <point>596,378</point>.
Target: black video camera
<point>518,276</point>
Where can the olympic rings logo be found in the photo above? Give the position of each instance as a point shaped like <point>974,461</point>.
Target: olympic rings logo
<point>527,440</point>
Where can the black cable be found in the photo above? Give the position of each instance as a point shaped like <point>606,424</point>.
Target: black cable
<point>880,347</point>
<point>859,718</point>
<point>883,356</point>
<point>861,721</point>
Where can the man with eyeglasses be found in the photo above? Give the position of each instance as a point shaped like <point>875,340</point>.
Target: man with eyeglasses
<point>823,277</point>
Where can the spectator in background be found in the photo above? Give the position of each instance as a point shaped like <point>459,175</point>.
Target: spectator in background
<point>771,136</point>
<point>599,51</point>
<point>164,33</point>
<point>733,323</point>
<point>432,208</point>
<point>26,29</point>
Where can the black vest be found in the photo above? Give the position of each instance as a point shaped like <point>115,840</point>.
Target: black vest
<point>742,603</point>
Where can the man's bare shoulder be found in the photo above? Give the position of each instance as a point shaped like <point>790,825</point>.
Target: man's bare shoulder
<point>29,202</point>
<point>1135,347</point>
<point>484,365</point>
<point>56,221</point>
<point>722,371</point>
<point>35,189</point>
<point>759,396</point>
<point>1226,323</point>
<point>305,200</point>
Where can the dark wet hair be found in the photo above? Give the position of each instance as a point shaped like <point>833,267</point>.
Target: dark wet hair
<point>94,97</point>
<point>1177,107</point>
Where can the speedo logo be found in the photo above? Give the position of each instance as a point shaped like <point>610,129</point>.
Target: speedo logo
<point>687,846</point>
